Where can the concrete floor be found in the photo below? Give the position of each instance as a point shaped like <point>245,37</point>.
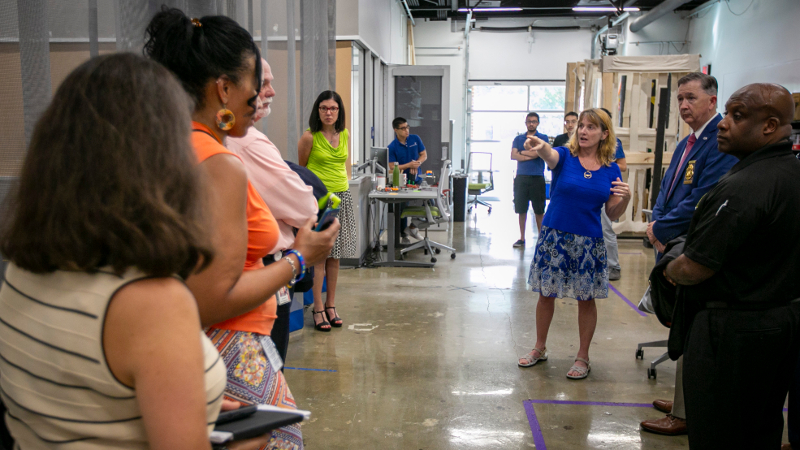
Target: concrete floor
<point>427,358</point>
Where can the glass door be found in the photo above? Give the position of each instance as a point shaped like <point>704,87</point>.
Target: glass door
<point>420,94</point>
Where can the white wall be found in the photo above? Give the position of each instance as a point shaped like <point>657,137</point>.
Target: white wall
<point>758,46</point>
<point>382,26</point>
<point>498,56</point>
<point>509,56</point>
<point>654,38</point>
<point>437,34</point>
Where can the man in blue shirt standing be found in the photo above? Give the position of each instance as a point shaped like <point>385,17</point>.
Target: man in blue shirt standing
<point>529,185</point>
<point>408,151</point>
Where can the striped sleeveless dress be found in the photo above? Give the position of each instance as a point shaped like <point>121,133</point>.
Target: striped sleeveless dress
<point>54,378</point>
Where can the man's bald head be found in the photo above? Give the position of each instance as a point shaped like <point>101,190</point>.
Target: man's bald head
<point>758,114</point>
<point>773,99</point>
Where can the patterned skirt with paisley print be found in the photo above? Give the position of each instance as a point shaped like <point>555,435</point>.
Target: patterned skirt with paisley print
<point>569,265</point>
<point>251,380</point>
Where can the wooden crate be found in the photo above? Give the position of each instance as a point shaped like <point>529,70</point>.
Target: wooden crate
<point>630,88</point>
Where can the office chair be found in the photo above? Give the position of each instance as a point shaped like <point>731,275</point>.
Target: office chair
<point>428,215</point>
<point>651,371</point>
<point>481,187</point>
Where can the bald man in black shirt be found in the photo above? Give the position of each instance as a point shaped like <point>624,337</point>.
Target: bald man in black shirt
<point>740,280</point>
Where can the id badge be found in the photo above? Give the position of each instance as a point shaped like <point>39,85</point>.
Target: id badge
<point>273,356</point>
<point>283,296</point>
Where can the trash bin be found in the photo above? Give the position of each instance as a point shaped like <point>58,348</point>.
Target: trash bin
<point>460,197</point>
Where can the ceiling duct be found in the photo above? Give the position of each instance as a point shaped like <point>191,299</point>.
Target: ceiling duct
<point>665,7</point>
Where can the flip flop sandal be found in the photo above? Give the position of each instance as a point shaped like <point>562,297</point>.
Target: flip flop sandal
<point>531,360</point>
<point>583,372</point>
<point>318,326</point>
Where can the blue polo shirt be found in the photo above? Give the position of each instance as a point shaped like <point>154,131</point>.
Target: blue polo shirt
<point>620,153</point>
<point>405,153</point>
<point>534,166</point>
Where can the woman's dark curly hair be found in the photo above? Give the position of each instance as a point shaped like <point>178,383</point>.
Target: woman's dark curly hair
<point>110,178</point>
<point>199,50</point>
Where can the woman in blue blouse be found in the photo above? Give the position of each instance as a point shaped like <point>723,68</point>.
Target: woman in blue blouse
<point>570,258</point>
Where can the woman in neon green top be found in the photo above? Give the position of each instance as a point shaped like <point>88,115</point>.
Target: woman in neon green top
<point>325,149</point>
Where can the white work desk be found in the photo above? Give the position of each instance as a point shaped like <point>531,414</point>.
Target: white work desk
<point>404,195</point>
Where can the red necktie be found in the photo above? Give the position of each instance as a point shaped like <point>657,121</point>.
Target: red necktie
<point>689,145</point>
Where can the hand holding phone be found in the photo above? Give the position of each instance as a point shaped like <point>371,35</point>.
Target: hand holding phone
<point>327,219</point>
<point>316,246</point>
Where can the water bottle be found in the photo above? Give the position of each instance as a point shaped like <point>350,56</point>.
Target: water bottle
<point>396,176</point>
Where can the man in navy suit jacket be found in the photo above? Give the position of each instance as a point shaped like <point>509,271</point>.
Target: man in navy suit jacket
<point>690,175</point>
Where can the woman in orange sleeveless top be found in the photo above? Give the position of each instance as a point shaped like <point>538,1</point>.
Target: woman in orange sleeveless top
<point>219,66</point>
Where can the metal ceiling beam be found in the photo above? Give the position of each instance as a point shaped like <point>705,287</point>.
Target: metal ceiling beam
<point>408,11</point>
<point>665,7</point>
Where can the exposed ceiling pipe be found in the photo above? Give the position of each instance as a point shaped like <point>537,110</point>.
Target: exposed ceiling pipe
<point>614,22</point>
<point>665,7</point>
<point>701,8</point>
<point>408,11</point>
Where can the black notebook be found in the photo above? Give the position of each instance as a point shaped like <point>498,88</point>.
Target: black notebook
<point>264,420</point>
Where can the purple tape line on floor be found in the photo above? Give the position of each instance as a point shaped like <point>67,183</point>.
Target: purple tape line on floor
<point>611,286</point>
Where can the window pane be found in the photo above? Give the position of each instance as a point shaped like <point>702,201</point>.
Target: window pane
<point>551,124</point>
<point>497,126</point>
<point>500,98</point>
<point>547,98</point>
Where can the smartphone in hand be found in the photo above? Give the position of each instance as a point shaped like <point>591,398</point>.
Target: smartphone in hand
<point>327,219</point>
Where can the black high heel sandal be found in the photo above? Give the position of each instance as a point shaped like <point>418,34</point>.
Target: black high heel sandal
<point>336,317</point>
<point>318,326</point>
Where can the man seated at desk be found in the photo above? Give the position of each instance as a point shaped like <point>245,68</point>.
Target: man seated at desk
<point>408,151</point>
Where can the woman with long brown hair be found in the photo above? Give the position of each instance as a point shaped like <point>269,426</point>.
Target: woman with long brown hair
<point>570,258</point>
<point>107,217</point>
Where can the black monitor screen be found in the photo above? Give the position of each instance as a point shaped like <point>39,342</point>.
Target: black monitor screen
<point>380,154</point>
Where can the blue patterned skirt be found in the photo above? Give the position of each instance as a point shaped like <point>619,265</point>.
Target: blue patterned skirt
<point>569,265</point>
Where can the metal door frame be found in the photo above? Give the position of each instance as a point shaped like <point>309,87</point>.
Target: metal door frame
<point>422,71</point>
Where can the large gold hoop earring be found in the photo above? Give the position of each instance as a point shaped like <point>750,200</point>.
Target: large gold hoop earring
<point>225,118</point>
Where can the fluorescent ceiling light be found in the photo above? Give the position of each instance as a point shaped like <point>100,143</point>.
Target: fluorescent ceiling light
<point>491,9</point>
<point>601,9</point>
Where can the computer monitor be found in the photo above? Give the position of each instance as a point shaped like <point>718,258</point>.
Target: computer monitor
<point>381,155</point>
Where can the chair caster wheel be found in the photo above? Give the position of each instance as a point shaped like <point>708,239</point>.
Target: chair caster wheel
<point>639,354</point>
<point>469,209</point>
<point>402,257</point>
<point>452,256</point>
<point>490,210</point>
<point>437,250</point>
<point>651,373</point>
<point>425,252</point>
<point>433,260</point>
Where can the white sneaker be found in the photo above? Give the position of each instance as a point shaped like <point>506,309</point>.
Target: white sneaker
<point>413,232</point>
<point>405,241</point>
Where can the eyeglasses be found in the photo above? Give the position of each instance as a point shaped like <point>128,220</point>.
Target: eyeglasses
<point>403,128</point>
<point>531,121</point>
<point>325,110</point>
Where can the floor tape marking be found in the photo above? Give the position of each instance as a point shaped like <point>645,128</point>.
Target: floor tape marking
<point>619,294</point>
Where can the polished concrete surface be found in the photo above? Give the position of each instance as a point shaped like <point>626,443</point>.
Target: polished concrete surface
<point>427,358</point>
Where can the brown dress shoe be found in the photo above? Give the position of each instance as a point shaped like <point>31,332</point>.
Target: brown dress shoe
<point>664,406</point>
<point>669,425</point>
